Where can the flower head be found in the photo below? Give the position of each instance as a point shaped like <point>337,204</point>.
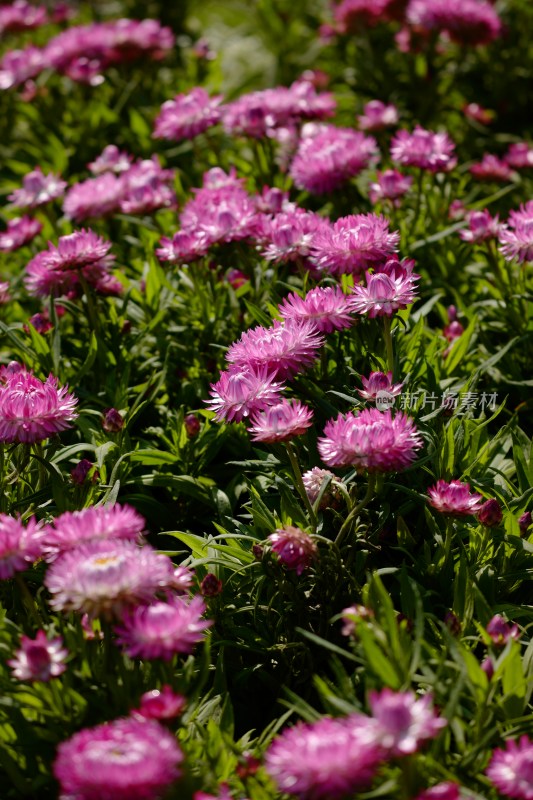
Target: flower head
<point>95,197</point>
<point>405,720</point>
<point>20,545</point>
<point>423,149</point>
<point>241,391</point>
<point>31,410</point>
<point>187,115</point>
<point>517,238</point>
<point>161,704</point>
<point>184,247</point>
<point>377,116</point>
<point>20,231</point>
<point>353,244</point>
<point>500,631</point>
<point>490,513</point>
<point>96,522</point>
<point>352,16</point>
<point>389,185</point>
<point>481,227</point>
<point>454,498</point>
<point>39,659</point>
<point>388,289</point>
<point>37,190</point>
<point>314,479</point>
<point>519,155</point>
<point>111,159</point>
<point>468,22</point>
<point>127,759</point>
<point>162,629</point>
<point>511,769</point>
<point>378,383</point>
<point>280,422</point>
<point>328,307</point>
<point>295,548</point>
<point>289,235</point>
<point>491,168</point>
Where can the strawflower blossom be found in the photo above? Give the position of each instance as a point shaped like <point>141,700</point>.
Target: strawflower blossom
<point>127,759</point>
<point>391,288</point>
<point>39,659</point>
<point>283,349</point>
<point>353,16</point>
<point>185,247</point>
<point>353,243</point>
<point>161,704</point>
<point>352,616</point>
<point>516,239</point>
<point>378,383</point>
<point>20,545</point>
<point>328,156</point>
<point>491,168</point>
<point>221,211</point>
<point>147,186</point>
<point>454,498</point>
<point>32,410</point>
<point>106,577</point>
<point>477,113</point>
<point>370,440</point>
<point>273,201</point>
<point>295,548</point>
<point>519,155</point>
<point>313,481</point>
<point>511,769</point>
<point>18,67</point>
<point>524,522</point>
<point>441,791</point>
<point>72,528</point>
<point>405,720</point>
<point>5,297</point>
<point>241,391</point>
<point>37,190</point>
<point>377,116</point>
<point>19,232</point>
<point>161,630</point>
<point>187,115</point>
<point>94,198</point>
<point>389,185</point>
<point>501,631</point>
<point>468,22</point>
<point>289,235</point>
<point>111,159</point>
<point>328,307</point>
<point>325,760</point>
<point>490,514</point>
<point>423,149</point>
<point>281,422</point>
<point>21,16</point>
<point>481,227</point>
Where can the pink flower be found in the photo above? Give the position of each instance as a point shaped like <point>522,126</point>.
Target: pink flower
<point>354,243</point>
<point>441,791</point>
<point>511,769</point>
<point>147,187</point>
<point>423,149</point>
<point>184,247</point>
<point>220,213</point>
<point>517,239</point>
<point>20,545</point>
<point>519,155</point>
<point>21,16</point>
<point>283,349</point>
<point>31,410</point>
<point>386,291</point>
<point>19,66</point>
<point>325,760</point>
<point>278,423</point>
<point>162,629</point>
<point>273,201</point>
<point>500,631</point>
<point>370,440</point>
<point>377,384</point>
<point>111,159</point>
<point>37,190</point>
<point>289,235</point>
<point>95,197</point>
<point>106,576</point>
<point>481,227</point>
<point>241,391</point>
<point>164,704</point>
<point>72,528</point>
<point>5,297</point>
<point>39,659</point>
<point>377,116</point>
<point>454,498</point>
<point>328,307</point>
<point>352,16</point>
<point>112,420</point>
<point>352,616</point>
<point>314,479</point>
<point>490,514</point>
<point>491,168</point>
<point>20,231</point>
<point>477,113</point>
<point>524,522</point>
<point>328,156</point>
<point>405,721</point>
<point>127,759</point>
<point>390,185</point>
<point>187,115</point>
<point>295,548</point>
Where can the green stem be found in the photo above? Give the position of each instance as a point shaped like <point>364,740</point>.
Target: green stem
<point>370,490</point>
<point>388,343</point>
<point>448,542</point>
<point>418,203</point>
<point>28,600</point>
<point>300,484</point>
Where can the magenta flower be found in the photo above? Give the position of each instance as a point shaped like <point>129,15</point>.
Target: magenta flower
<point>96,522</point>
<point>377,384</point>
<point>352,616</point>
<point>283,349</point>
<point>94,198</point>
<point>37,190</point>
<point>187,115</point>
<point>386,291</point>
<point>517,239</point>
<point>478,113</point>
<point>5,297</point>
<point>241,391</point>
<point>146,187</point>
<point>454,498</point>
<point>31,410</point>
<point>164,704</point>
<point>500,631</point>
<point>19,66</point>
<point>519,155</point>
<point>161,630</point>
<point>390,185</point>
<point>295,548</point>
<point>112,420</point>
<point>221,211</point>
<point>511,769</point>
<point>20,545</point>
<point>21,16</point>
<point>280,422</point>
<point>289,235</point>
<point>314,479</point>
<point>371,440</point>
<point>273,201</point>
<point>325,760</point>
<point>469,22</point>
<point>405,721</point>
<point>377,116</point>
<point>20,231</point>
<point>328,156</point>
<point>111,159</point>
<point>39,659</point>
<point>328,307</point>
<point>491,168</point>
<point>184,247</point>
<point>106,577</point>
<point>441,791</point>
<point>524,522</point>
<point>423,149</point>
<point>481,227</point>
<point>354,243</point>
<point>127,759</point>
<point>353,16</point>
<point>490,514</point>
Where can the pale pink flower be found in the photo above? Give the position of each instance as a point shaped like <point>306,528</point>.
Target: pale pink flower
<point>477,113</point>
<point>386,291</point>
<point>519,155</point>
<point>31,410</point>
<point>481,227</point>
<point>187,115</point>
<point>283,349</point>
<point>454,498</point>
<point>314,479</point>
<point>377,116</point>
<point>111,159</point>
<point>20,545</point>
<point>379,383</point>
<point>328,307</point>
<point>37,189</point>
<point>184,247</point>
<point>241,391</point>
<point>389,185</point>
<point>441,791</point>
<point>491,168</point>
<point>280,422</point>
<point>517,239</point>
<point>295,548</point>
<point>511,769</point>
<point>39,659</point>
<point>161,630</point>
<point>127,759</point>
<point>72,528</point>
<point>405,720</point>
<point>423,149</point>
<point>352,616</point>
<point>161,704</point>
<point>371,440</point>
<point>353,243</point>
<point>19,232</point>
<point>501,631</point>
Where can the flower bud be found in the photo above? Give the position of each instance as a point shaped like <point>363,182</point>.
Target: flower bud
<point>112,421</point>
<point>211,586</point>
<point>490,514</point>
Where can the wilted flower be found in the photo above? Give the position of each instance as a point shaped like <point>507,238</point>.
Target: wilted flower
<point>481,227</point>
<point>491,168</point>
<point>73,528</point>
<point>377,116</point>
<point>328,307</point>
<point>490,513</point>
<point>37,189</point>
<point>423,149</point>
<point>19,232</point>
<point>454,498</point>
<point>20,545</point>
<point>295,548</point>
<point>500,631</point>
<point>510,769</point>
<point>241,391</point>
<point>280,422</point>
<point>187,115</point>
<point>39,659</point>
<point>353,244</point>
<point>162,629</point>
<point>389,185</point>
<point>127,759</point>
<point>161,704</point>
<point>391,287</point>
<point>31,410</point>
<point>405,720</point>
